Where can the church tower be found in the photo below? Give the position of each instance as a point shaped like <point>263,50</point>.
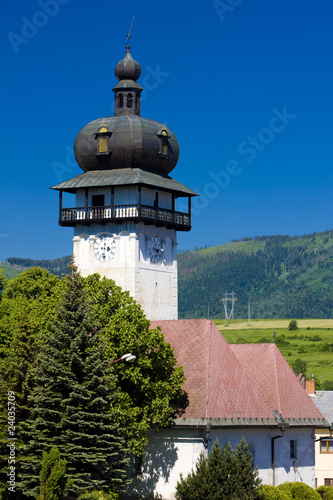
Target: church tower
<point>125,217</point>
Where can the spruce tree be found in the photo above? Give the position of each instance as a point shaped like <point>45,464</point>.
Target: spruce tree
<point>16,379</point>
<point>71,402</point>
<point>226,474</point>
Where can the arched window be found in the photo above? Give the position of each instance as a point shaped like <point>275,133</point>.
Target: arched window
<point>121,100</point>
<point>129,100</point>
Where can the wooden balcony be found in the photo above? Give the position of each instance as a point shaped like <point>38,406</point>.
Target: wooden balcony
<point>118,213</point>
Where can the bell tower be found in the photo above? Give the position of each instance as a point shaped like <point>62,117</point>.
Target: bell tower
<point>125,217</point>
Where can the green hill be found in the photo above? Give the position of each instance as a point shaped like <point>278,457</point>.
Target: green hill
<point>15,265</point>
<point>284,277</point>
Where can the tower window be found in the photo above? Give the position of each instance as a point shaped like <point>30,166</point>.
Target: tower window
<point>102,137</point>
<point>164,143</point>
<point>103,144</point>
<point>121,100</point>
<point>129,100</point>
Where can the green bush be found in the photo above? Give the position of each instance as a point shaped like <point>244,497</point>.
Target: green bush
<point>98,495</point>
<point>326,492</point>
<point>299,491</point>
<point>272,493</point>
<point>292,325</point>
<point>327,385</point>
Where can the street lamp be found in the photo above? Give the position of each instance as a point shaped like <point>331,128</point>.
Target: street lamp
<point>129,358</point>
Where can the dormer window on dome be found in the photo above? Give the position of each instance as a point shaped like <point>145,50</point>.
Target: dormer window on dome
<point>103,140</point>
<point>164,143</point>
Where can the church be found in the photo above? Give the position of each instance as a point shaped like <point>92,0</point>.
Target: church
<point>125,221</point>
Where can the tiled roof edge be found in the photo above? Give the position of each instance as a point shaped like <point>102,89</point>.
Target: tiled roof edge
<point>249,422</point>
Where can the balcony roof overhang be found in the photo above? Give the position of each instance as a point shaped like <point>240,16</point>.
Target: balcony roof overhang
<point>125,177</point>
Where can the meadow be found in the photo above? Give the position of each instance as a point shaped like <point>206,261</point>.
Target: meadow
<point>312,342</point>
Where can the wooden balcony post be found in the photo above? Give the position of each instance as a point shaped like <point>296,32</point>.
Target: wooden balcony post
<point>60,205</point>
<point>112,202</point>
<point>173,208</point>
<point>86,204</point>
<point>139,201</point>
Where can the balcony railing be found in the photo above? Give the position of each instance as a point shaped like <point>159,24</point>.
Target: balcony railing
<point>145,213</point>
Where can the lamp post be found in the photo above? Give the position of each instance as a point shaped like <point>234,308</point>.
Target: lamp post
<point>129,358</point>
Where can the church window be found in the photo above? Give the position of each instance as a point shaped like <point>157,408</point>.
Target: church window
<point>129,100</point>
<point>121,100</point>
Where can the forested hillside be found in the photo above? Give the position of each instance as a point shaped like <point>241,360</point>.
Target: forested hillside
<point>284,277</point>
<point>13,265</point>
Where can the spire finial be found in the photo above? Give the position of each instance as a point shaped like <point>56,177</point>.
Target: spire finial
<point>129,33</point>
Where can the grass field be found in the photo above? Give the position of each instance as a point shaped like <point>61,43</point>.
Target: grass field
<point>312,342</point>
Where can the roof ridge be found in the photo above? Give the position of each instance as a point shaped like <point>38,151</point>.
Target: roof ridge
<point>273,346</point>
<point>209,366</point>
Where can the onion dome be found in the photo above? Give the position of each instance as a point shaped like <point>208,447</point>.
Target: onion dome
<point>126,140</point>
<point>127,68</point>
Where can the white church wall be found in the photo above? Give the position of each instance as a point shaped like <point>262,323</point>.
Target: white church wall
<point>176,450</point>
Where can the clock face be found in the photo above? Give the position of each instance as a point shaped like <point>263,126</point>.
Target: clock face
<point>104,247</point>
<point>155,248</point>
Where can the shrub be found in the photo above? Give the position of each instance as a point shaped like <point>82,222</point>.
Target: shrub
<point>326,492</point>
<point>292,325</point>
<point>98,495</point>
<point>272,493</point>
<point>327,385</point>
<point>299,491</point>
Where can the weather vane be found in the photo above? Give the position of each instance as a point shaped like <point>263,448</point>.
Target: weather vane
<point>129,33</point>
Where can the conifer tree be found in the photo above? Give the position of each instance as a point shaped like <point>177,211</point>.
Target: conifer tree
<point>72,399</point>
<point>17,379</point>
<point>226,474</point>
<point>52,475</point>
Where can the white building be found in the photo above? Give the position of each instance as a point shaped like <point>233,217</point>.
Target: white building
<point>232,391</point>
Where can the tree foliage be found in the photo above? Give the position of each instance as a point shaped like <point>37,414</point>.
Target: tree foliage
<point>299,366</point>
<point>226,474</point>
<point>52,475</point>
<point>292,325</point>
<point>37,339</point>
<point>71,401</point>
<point>2,281</point>
<point>150,388</point>
<point>285,277</point>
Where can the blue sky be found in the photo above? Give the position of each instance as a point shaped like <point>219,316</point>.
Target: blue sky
<point>246,86</point>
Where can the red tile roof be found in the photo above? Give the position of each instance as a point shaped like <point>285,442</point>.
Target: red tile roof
<point>234,381</point>
<point>216,383</point>
<point>275,380</point>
